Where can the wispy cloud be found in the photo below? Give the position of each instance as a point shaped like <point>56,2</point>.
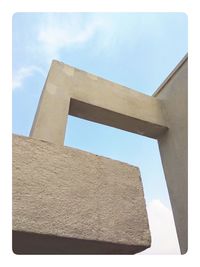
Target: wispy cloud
<point>164,239</point>
<point>63,32</point>
<point>23,73</point>
<point>56,34</point>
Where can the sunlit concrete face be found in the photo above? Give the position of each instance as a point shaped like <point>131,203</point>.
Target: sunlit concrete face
<point>69,201</point>
<point>163,116</point>
<point>173,95</point>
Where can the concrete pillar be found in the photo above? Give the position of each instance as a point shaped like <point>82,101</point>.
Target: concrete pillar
<point>173,146</point>
<point>51,116</point>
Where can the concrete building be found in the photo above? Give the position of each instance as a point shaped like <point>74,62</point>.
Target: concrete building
<point>70,201</point>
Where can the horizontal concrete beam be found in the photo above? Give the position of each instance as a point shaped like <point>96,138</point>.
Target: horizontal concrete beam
<point>69,201</point>
<point>70,91</point>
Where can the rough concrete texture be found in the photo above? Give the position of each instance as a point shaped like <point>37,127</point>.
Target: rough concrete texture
<point>70,201</point>
<point>173,95</point>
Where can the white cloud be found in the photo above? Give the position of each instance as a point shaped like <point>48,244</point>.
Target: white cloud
<point>57,32</point>
<point>23,73</point>
<point>163,232</point>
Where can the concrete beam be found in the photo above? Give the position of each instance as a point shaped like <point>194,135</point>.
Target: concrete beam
<point>67,201</point>
<point>70,91</point>
<point>174,145</point>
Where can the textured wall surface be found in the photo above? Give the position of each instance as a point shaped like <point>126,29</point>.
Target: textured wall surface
<point>70,201</point>
<point>174,146</point>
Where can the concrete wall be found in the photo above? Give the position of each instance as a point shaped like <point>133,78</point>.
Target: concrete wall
<point>70,201</point>
<point>162,116</point>
<point>173,146</point>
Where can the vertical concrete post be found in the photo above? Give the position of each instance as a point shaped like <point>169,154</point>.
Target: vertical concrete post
<point>51,117</point>
<point>173,146</point>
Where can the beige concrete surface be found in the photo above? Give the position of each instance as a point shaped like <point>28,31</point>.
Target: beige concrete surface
<point>173,146</point>
<point>69,201</point>
<point>162,116</point>
<point>71,91</point>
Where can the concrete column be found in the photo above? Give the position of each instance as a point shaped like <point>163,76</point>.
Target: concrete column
<point>51,116</point>
<point>173,146</point>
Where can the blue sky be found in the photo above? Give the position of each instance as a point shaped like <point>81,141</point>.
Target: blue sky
<point>137,50</point>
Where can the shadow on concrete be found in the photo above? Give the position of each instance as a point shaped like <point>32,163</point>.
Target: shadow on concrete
<point>32,243</point>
